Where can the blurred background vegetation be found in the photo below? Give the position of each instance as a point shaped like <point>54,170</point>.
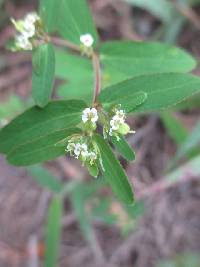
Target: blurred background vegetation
<point>56,211</point>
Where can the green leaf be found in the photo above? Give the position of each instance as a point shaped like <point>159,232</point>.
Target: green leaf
<point>132,102</point>
<point>48,14</point>
<point>190,103</point>
<point>114,173</point>
<point>74,20</point>
<point>191,143</point>
<point>182,172</point>
<point>101,211</point>
<point>43,74</point>
<point>93,170</point>
<point>175,128</point>
<point>79,197</point>
<point>47,180</point>
<point>164,90</point>
<point>77,71</point>
<point>41,149</point>
<point>111,76</point>
<point>123,148</point>
<point>139,58</point>
<point>36,122</point>
<point>188,259</point>
<point>129,102</point>
<point>11,107</point>
<point>162,9</point>
<point>53,232</point>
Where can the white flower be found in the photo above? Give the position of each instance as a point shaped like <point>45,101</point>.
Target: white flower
<point>29,29</point>
<point>70,147</point>
<point>80,149</point>
<point>23,42</point>
<point>92,156</point>
<point>29,24</point>
<point>117,121</point>
<point>120,113</point>
<point>31,17</point>
<point>87,39</point>
<point>90,114</point>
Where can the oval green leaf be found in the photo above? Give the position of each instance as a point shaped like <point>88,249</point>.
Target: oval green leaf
<point>43,74</point>
<point>36,122</point>
<point>78,77</point>
<point>45,178</point>
<point>40,149</point>
<point>114,173</point>
<point>53,232</point>
<point>139,58</point>
<point>75,20</point>
<point>123,148</point>
<point>163,90</point>
<point>49,16</point>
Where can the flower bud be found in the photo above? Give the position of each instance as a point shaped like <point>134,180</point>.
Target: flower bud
<point>124,129</point>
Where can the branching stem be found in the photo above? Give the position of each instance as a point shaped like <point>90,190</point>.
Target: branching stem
<point>95,61</point>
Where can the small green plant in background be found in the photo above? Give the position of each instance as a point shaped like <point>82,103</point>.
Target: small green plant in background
<point>185,260</point>
<point>104,84</point>
<point>154,78</point>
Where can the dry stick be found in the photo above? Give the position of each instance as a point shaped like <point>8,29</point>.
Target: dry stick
<point>33,259</point>
<point>164,184</point>
<point>188,13</point>
<point>97,75</point>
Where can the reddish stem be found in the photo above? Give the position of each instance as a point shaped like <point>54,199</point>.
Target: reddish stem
<point>61,42</point>
<point>95,60</point>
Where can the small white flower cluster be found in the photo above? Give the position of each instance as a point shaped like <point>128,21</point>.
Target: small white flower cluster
<point>27,30</point>
<point>87,40</point>
<point>117,120</point>
<point>90,115</point>
<point>118,124</point>
<point>81,151</point>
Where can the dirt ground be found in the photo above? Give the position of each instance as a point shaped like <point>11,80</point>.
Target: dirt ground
<point>171,222</point>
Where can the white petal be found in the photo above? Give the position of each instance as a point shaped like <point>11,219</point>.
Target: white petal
<point>84,118</point>
<point>86,111</point>
<point>120,113</point>
<point>115,127</point>
<point>112,122</point>
<point>87,39</point>
<point>94,119</point>
<point>84,146</point>
<point>110,132</point>
<point>77,149</point>
<point>94,111</point>
<point>31,17</point>
<point>84,153</point>
<point>92,156</point>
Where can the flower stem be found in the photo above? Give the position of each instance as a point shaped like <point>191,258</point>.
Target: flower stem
<point>66,43</point>
<point>97,76</point>
<point>95,61</point>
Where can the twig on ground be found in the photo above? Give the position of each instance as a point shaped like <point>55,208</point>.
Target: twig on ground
<point>189,13</point>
